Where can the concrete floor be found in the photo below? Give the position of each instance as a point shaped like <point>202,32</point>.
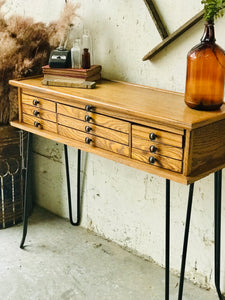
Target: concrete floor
<point>64,262</point>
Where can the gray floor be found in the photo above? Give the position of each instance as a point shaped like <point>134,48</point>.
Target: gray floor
<point>64,262</point>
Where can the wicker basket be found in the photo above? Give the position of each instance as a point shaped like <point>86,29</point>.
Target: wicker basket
<point>11,182</point>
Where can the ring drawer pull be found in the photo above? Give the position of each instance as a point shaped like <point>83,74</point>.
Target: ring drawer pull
<point>88,140</point>
<point>152,136</point>
<point>88,128</point>
<point>36,113</point>
<point>35,102</point>
<point>37,124</point>
<point>87,118</point>
<point>152,149</point>
<point>152,160</point>
<point>89,107</point>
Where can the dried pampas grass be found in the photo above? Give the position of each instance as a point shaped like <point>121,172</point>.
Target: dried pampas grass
<point>25,48</point>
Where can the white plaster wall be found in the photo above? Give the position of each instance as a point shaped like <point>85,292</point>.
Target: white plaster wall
<point>121,203</point>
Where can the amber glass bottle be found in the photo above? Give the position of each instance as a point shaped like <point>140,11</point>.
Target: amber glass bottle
<point>205,73</point>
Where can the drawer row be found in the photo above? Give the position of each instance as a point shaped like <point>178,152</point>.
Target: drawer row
<point>150,145</point>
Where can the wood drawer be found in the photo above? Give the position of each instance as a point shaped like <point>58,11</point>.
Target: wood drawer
<point>43,103</point>
<point>160,161</point>
<point>46,125</point>
<point>100,131</point>
<point>96,119</point>
<point>96,141</point>
<point>42,113</point>
<point>161,136</point>
<point>158,148</point>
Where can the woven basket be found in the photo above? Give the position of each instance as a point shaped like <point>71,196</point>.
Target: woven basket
<point>11,182</point>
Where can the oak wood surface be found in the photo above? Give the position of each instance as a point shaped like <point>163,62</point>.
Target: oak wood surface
<point>135,102</point>
<point>164,137</point>
<point>97,119</point>
<point>107,154</point>
<point>43,113</point>
<point>43,103</point>
<point>99,142</point>
<point>161,161</point>
<point>162,149</point>
<point>191,142</point>
<point>104,132</point>
<point>44,125</point>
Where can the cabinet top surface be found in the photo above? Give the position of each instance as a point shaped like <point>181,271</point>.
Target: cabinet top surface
<point>139,101</point>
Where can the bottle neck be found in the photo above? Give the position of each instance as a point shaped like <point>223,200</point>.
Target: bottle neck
<point>208,34</point>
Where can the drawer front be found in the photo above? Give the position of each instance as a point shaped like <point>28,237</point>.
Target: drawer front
<point>40,123</point>
<point>40,102</point>
<point>153,147</point>
<point>158,147</point>
<point>157,160</point>
<point>94,141</point>
<point>96,130</point>
<point>160,136</point>
<point>95,118</point>
<point>39,112</point>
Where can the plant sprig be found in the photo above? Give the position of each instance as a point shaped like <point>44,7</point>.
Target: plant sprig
<point>213,9</point>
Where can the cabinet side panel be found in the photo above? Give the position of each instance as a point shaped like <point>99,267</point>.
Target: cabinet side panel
<point>207,148</point>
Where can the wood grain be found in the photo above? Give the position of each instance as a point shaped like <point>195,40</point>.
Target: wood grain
<point>191,144</point>
<point>162,149</point>
<point>98,142</point>
<point>130,102</point>
<point>43,103</point>
<point>207,149</point>
<point>161,161</point>
<point>106,154</point>
<point>44,125</point>
<point>97,119</point>
<point>104,132</point>
<point>43,113</point>
<point>163,137</point>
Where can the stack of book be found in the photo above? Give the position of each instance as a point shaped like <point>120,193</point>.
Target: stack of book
<point>52,76</point>
<point>92,74</point>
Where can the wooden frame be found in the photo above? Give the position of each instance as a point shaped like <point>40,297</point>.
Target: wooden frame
<point>166,37</point>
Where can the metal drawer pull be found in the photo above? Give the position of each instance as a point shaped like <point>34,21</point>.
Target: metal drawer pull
<point>35,102</point>
<point>88,140</point>
<point>37,124</point>
<point>88,128</point>
<point>36,113</point>
<point>152,160</point>
<point>89,107</point>
<point>87,118</point>
<point>152,148</point>
<point>152,136</point>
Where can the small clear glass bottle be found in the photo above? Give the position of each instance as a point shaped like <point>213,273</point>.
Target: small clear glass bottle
<point>205,73</point>
<point>76,55</point>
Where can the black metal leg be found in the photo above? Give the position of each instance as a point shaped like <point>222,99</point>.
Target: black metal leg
<point>167,242</point>
<point>185,244</point>
<point>25,201</point>
<point>217,228</point>
<point>68,186</point>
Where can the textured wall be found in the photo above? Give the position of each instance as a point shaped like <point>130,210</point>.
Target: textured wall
<point>121,203</point>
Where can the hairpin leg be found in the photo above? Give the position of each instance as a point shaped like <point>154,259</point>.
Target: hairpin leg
<point>25,174</point>
<point>167,242</point>
<point>217,229</point>
<point>185,244</point>
<point>69,189</point>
